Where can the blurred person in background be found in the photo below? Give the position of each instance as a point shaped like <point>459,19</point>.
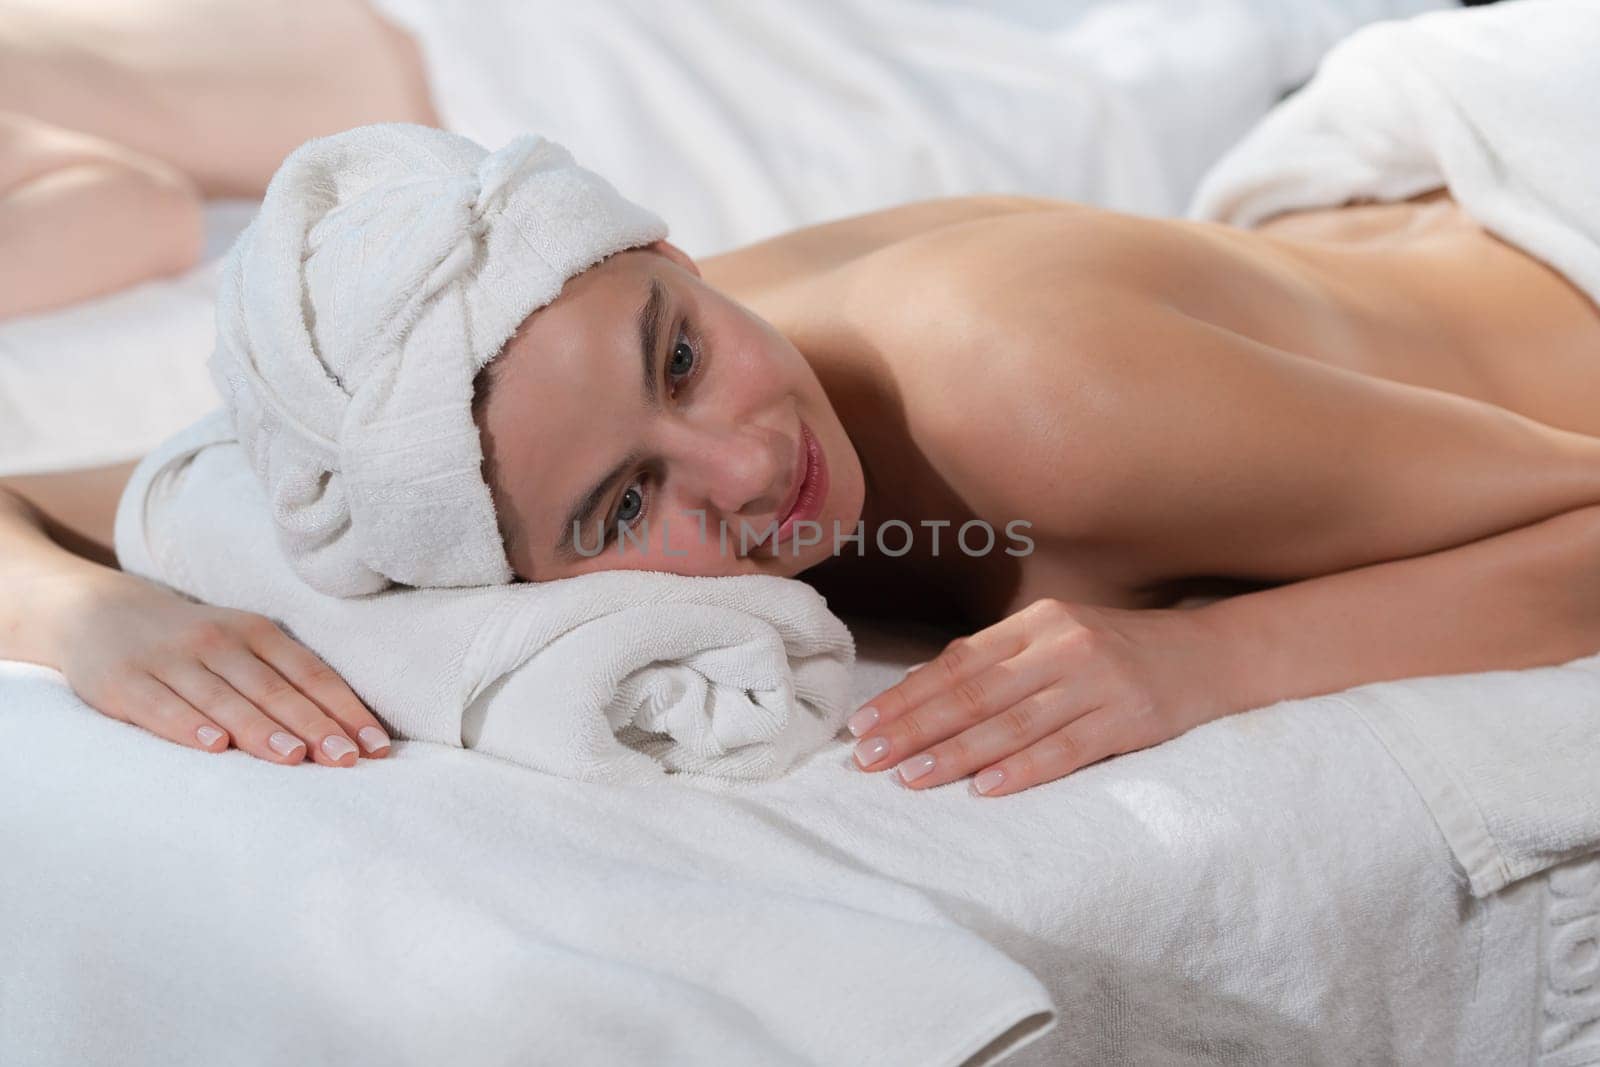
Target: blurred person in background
<point>737,122</point>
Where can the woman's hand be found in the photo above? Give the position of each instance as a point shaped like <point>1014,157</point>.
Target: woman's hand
<point>205,676</point>
<point>1042,693</point>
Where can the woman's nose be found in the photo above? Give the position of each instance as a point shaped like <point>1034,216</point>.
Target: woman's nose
<point>736,470</point>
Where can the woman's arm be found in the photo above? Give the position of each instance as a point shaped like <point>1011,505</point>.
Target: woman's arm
<point>39,582</point>
<point>1059,686</point>
<point>56,534</point>
<point>191,673</point>
<point>1185,449</point>
<point>1527,598</point>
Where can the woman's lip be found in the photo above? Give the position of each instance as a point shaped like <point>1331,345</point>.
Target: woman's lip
<point>802,466</point>
<point>811,489</point>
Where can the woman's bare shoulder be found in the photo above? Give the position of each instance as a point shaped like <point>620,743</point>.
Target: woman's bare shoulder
<point>805,253</point>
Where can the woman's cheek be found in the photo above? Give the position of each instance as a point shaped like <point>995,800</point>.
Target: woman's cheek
<point>689,544</point>
<point>759,363</point>
<point>677,536</point>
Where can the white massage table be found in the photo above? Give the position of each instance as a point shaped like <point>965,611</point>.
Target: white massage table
<point>1266,889</point>
<point>1270,888</point>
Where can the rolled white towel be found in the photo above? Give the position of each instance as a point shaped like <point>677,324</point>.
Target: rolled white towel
<point>616,676</point>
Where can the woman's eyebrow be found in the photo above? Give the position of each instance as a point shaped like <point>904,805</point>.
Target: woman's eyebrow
<point>583,511</point>
<point>649,319</point>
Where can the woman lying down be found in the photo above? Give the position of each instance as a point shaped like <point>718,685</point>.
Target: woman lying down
<point>1375,425</point>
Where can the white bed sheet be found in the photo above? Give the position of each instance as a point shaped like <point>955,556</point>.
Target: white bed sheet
<point>736,121</point>
<point>1266,889</point>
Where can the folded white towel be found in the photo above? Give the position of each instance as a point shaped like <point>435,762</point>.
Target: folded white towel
<point>618,676</point>
<point>1495,103</point>
<point>1498,105</point>
<point>1508,762</point>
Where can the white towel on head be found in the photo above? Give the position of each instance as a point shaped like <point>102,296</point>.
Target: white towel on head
<point>616,676</point>
<point>387,266</point>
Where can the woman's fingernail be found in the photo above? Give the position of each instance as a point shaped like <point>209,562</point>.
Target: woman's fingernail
<point>862,721</point>
<point>372,739</point>
<point>336,747</point>
<point>209,735</point>
<point>872,750</point>
<point>916,767</point>
<point>283,744</point>
<point>988,779</point>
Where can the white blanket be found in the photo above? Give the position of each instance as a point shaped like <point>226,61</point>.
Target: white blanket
<point>617,676</point>
<point>1268,888</point>
<point>1496,103</point>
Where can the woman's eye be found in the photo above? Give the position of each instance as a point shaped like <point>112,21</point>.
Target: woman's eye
<point>681,362</point>
<point>631,504</point>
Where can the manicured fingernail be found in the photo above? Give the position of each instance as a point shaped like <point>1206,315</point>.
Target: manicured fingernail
<point>872,750</point>
<point>916,767</point>
<point>283,744</point>
<point>988,779</point>
<point>372,739</point>
<point>337,747</point>
<point>209,735</point>
<point>862,721</point>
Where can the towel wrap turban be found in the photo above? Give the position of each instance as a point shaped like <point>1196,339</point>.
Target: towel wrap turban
<point>387,266</point>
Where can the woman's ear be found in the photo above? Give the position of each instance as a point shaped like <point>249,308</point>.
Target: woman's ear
<point>676,254</point>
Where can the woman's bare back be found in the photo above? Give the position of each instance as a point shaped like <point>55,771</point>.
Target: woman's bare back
<point>1454,307</point>
<point>1171,402</point>
<point>1413,292</point>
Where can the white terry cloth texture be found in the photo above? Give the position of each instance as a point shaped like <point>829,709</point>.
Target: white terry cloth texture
<point>1497,105</point>
<point>387,266</point>
<point>730,135</point>
<point>616,676</point>
<point>1267,888</point>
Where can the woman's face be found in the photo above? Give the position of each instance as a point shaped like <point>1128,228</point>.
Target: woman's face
<point>644,411</point>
